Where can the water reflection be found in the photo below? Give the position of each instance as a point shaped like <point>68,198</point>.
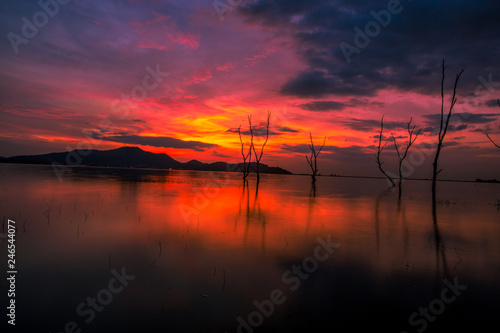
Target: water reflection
<point>202,273</point>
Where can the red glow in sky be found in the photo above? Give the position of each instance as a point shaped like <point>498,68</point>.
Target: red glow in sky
<point>98,63</point>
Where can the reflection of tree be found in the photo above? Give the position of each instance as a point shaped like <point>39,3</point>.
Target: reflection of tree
<point>312,191</point>
<point>310,209</point>
<point>251,211</point>
<point>377,221</point>
<point>440,246</point>
<point>402,212</point>
<point>378,201</point>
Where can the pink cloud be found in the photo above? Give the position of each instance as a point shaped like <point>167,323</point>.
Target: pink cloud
<point>255,59</point>
<point>199,76</point>
<point>226,67</point>
<point>162,32</point>
<point>47,113</point>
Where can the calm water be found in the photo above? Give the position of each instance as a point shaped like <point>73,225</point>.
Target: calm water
<point>201,252</point>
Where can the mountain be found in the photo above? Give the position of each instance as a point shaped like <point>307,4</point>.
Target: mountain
<point>130,157</point>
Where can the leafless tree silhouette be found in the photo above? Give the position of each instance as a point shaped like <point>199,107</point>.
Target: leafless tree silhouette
<point>246,165</point>
<point>402,156</point>
<point>443,127</point>
<point>492,141</point>
<point>379,152</point>
<point>258,157</point>
<point>312,161</point>
<point>498,102</point>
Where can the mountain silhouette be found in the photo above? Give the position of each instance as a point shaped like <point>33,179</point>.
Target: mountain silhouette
<point>130,157</point>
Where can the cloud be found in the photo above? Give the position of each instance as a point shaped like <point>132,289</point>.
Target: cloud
<point>492,103</point>
<point>160,141</point>
<point>333,152</point>
<point>226,67</point>
<point>464,118</point>
<point>170,34</point>
<point>451,128</point>
<point>323,106</point>
<point>285,129</point>
<point>46,113</point>
<point>318,84</point>
<point>405,55</point>
<point>260,130</point>
<point>370,125</point>
<point>199,76</point>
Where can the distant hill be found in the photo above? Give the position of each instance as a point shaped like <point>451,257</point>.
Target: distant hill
<point>130,157</point>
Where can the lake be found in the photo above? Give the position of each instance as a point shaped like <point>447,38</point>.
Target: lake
<point>127,250</point>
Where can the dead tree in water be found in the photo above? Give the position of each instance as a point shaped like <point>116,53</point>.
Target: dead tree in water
<point>493,142</point>
<point>246,166</point>
<point>379,151</point>
<point>258,157</point>
<point>312,161</point>
<point>443,127</point>
<point>411,140</point>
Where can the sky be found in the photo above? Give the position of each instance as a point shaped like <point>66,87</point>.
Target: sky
<point>180,77</point>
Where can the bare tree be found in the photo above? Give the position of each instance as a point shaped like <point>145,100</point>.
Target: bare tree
<point>312,161</point>
<point>379,152</point>
<point>498,102</point>
<point>492,141</point>
<point>246,166</point>
<point>402,156</point>
<point>443,127</point>
<point>258,157</point>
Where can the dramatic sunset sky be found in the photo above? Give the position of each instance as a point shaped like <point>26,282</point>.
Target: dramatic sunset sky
<point>61,84</point>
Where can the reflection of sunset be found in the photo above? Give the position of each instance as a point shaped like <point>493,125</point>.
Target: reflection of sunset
<point>239,241</point>
<point>230,218</point>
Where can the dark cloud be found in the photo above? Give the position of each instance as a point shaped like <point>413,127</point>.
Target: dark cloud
<point>285,129</point>
<point>451,128</point>
<point>370,125</point>
<point>333,152</point>
<point>316,84</point>
<point>427,145</point>
<point>492,103</point>
<point>260,130</point>
<point>301,149</point>
<point>160,141</point>
<point>463,118</point>
<point>406,54</point>
<point>323,106</point>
